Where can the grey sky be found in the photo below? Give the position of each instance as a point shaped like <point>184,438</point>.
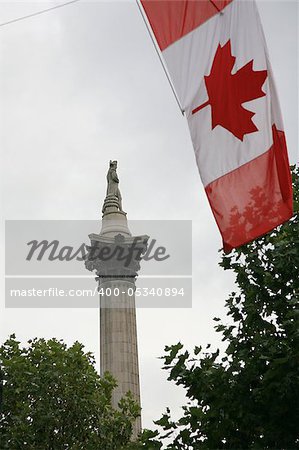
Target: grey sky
<point>82,85</point>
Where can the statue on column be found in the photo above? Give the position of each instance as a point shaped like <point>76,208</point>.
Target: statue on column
<point>113,192</point>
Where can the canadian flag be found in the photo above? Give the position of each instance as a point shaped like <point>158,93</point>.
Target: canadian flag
<point>216,55</point>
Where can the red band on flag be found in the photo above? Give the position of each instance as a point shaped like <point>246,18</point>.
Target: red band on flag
<point>173,19</point>
<point>255,198</point>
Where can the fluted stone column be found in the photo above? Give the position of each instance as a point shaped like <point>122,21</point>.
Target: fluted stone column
<point>114,254</point>
<point>119,352</point>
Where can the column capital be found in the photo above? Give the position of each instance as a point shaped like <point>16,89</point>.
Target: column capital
<point>115,258</point>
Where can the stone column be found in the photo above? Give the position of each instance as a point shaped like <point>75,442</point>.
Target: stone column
<point>114,254</point>
<point>118,334</point>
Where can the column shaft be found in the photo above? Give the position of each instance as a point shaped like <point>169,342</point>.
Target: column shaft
<point>118,345</point>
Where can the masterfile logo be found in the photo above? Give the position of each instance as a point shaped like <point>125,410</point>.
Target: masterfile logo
<point>70,264</point>
<point>53,251</point>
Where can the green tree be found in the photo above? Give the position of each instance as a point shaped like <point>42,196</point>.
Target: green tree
<point>249,397</point>
<point>53,398</point>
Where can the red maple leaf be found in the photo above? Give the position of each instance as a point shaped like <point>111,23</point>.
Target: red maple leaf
<point>228,91</point>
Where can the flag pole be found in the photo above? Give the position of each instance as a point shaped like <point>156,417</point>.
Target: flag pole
<point>218,9</point>
<point>160,57</point>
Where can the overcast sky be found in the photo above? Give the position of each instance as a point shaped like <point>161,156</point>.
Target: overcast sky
<point>82,85</point>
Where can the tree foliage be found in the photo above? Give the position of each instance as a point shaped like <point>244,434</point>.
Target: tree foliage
<point>249,397</point>
<point>53,398</point>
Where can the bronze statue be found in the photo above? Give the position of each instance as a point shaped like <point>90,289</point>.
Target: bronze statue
<point>112,184</point>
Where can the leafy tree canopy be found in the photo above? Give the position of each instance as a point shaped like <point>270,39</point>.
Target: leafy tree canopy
<point>247,398</point>
<point>53,398</point>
